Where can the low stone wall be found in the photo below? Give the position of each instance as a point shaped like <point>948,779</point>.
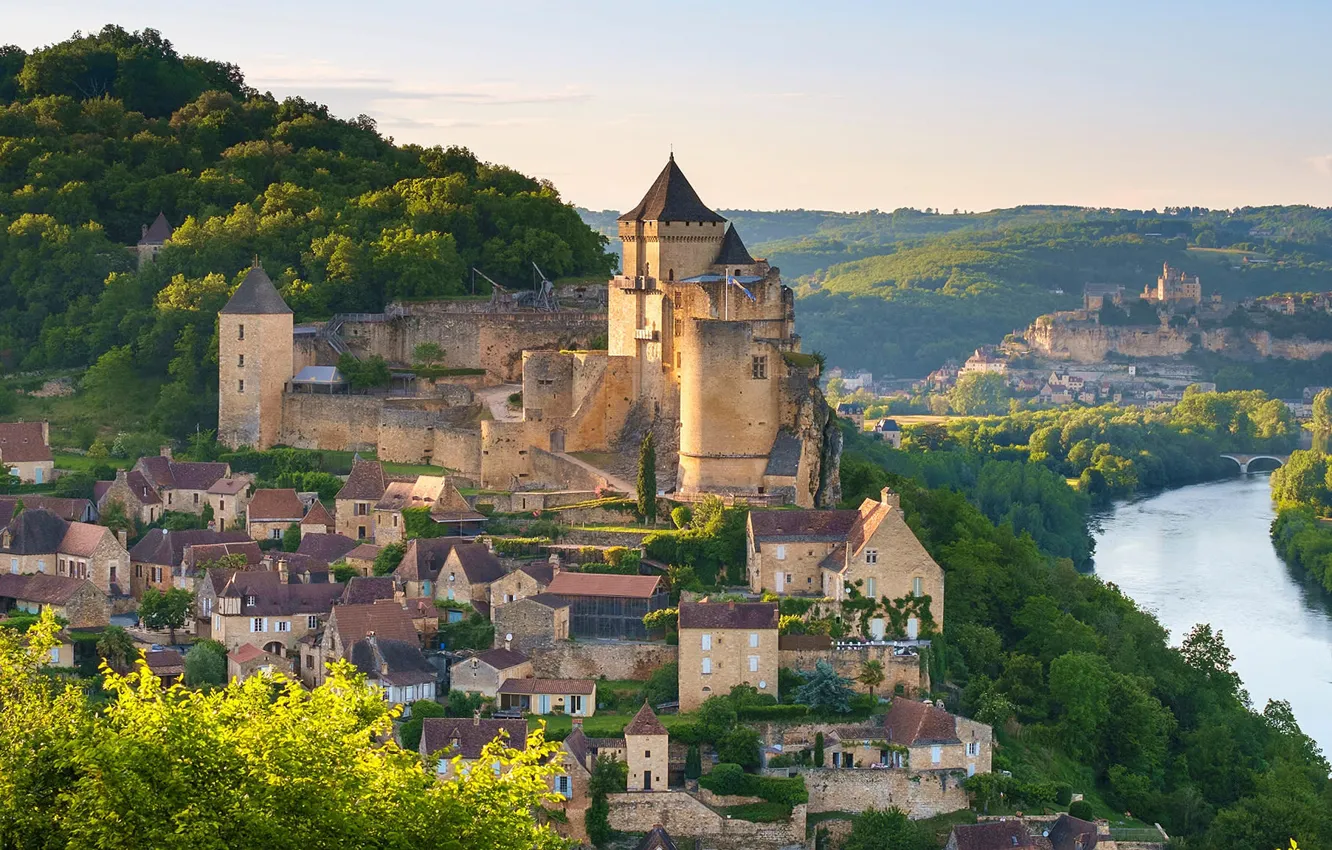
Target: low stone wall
<point>723,800</point>
<point>920,795</point>
<point>583,537</point>
<point>897,669</point>
<point>612,659</point>
<point>685,817</point>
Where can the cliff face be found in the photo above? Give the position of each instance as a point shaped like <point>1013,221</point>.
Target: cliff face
<point>829,492</point>
<point>1092,343</point>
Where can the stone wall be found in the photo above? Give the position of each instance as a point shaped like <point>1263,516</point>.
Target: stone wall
<point>904,669</point>
<point>612,659</point>
<point>1090,343</point>
<point>921,795</point>
<point>582,537</point>
<point>345,422</point>
<point>685,817</point>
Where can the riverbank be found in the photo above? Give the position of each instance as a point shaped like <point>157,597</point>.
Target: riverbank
<point>1201,554</point>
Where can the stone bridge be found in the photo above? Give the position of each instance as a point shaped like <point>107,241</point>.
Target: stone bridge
<point>1245,460</point>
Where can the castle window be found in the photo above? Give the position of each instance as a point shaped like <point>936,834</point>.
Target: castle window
<point>679,326</point>
<point>240,360</point>
<point>670,274</point>
<point>678,299</point>
<point>240,386</point>
<point>758,368</point>
<point>240,332</point>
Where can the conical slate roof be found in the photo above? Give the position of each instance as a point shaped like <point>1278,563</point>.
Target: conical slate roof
<point>256,296</point>
<point>671,198</point>
<point>645,722</point>
<point>158,232</point>
<point>733,251</point>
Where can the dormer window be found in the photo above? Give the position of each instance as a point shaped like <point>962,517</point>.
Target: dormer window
<point>249,600</point>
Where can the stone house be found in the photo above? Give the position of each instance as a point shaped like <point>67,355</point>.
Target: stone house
<point>25,451</point>
<point>889,431</point>
<point>38,541</point>
<point>354,506</point>
<point>328,548</point>
<point>647,752</point>
<point>535,622</point>
<point>437,493</point>
<point>418,571</point>
<point>272,512</point>
<point>182,485</point>
<point>77,600</point>
<point>247,659</point>
<point>381,641</point>
<point>70,510</point>
<point>229,497</point>
<point>484,672</point>
<point>576,697</point>
<point>166,664</point>
<point>467,574</point>
<point>724,644</point>
<point>882,559</point>
<point>528,579</point>
<point>258,607</point>
<point>362,558</point>
<point>854,412</point>
<point>915,736</point>
<point>153,238</point>
<point>158,559</point>
<point>366,590</point>
<point>455,743</point>
<point>990,835</point>
<point>785,549</point>
<point>608,606</point>
<point>135,492</point>
<point>317,520</point>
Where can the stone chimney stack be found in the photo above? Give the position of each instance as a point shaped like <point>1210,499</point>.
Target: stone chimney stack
<point>144,234</point>
<point>283,574</point>
<point>890,499</point>
<point>123,537</point>
<point>166,452</point>
<point>476,717</point>
<point>577,722</point>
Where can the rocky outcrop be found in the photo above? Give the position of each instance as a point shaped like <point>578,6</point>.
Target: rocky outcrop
<point>1086,342</point>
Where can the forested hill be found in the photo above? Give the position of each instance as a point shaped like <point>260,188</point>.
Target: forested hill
<point>901,292</point>
<point>100,133</point>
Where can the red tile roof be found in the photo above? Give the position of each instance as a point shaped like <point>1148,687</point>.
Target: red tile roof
<point>467,736</point>
<point>995,835</point>
<point>728,615</point>
<point>275,506</point>
<point>23,442</point>
<point>776,525</point>
<point>83,538</point>
<point>645,722</point>
<point>317,515</point>
<point>390,622</point>
<point>365,483</point>
<point>599,584</point>
<point>548,686</point>
<point>911,723</point>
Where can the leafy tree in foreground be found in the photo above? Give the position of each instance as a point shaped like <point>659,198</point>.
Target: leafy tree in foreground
<point>170,610</point>
<point>264,763</point>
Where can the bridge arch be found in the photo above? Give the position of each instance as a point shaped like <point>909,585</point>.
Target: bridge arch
<point>1244,461</point>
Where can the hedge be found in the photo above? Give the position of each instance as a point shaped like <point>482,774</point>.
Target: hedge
<point>731,779</point>
<point>773,712</point>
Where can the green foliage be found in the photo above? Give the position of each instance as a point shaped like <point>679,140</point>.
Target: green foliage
<point>206,664</point>
<point>473,632</point>
<point>681,516</point>
<point>461,704</point>
<point>1306,479</point>
<point>116,648</point>
<point>291,537</point>
<point>716,716</point>
<point>713,545</point>
<point>662,620</point>
<point>818,749</point>
<point>342,571</point>
<point>325,484</point>
<point>390,555</point>
<point>169,610</point>
<point>663,685</point>
<point>609,776</point>
<point>369,373</point>
<point>647,479</point>
<point>825,690</point>
<point>1304,542</point>
<point>885,829</point>
<point>979,394</point>
<point>693,763</point>
<point>726,778</point>
<point>410,732</point>
<point>1082,810</point>
<point>772,712</point>
<point>740,746</point>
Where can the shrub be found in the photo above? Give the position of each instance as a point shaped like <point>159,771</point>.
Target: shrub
<point>760,812</point>
<point>1082,810</point>
<point>1063,794</point>
<point>773,712</point>
<point>818,750</point>
<point>776,789</point>
<point>726,778</point>
<point>410,733</point>
<point>740,746</point>
<point>681,516</point>
<point>693,763</point>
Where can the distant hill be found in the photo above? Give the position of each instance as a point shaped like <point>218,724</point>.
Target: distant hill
<point>899,292</point>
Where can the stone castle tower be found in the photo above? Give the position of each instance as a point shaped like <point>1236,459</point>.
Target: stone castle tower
<point>154,237</point>
<point>255,362</point>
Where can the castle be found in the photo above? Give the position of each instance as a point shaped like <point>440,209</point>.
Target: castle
<point>701,350</point>
<point>1172,287</point>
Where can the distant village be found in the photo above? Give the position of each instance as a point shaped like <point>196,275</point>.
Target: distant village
<point>524,532</point>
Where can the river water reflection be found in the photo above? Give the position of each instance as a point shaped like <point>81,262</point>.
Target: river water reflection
<point>1202,554</point>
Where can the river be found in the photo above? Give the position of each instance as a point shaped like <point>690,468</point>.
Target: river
<point>1201,554</point>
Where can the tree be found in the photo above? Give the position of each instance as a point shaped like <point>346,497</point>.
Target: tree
<point>410,732</point>
<point>647,479</point>
<point>716,717</point>
<point>116,648</point>
<point>818,749</point>
<point>740,746</point>
<point>680,516</point>
<point>884,829</point>
<point>111,380</point>
<point>871,674</point>
<point>115,517</point>
<point>170,610</point>
<point>609,776</point>
<point>979,394</point>
<point>291,538</point>
<point>1080,686</point>
<point>388,558</point>
<point>1322,412</point>
<point>428,354</point>
<point>825,690</point>
<point>693,762</point>
<point>206,664</point>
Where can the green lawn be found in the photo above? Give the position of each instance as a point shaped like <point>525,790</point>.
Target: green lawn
<point>82,463</point>
<point>603,724</point>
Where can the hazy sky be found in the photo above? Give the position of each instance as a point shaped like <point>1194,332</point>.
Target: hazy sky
<point>830,105</point>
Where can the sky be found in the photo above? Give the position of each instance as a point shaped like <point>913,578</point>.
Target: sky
<point>832,105</point>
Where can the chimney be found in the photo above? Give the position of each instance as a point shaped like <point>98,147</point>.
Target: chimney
<point>577,722</point>
<point>46,432</point>
<point>282,572</point>
<point>166,452</point>
<point>730,606</point>
<point>144,235</point>
<point>476,717</point>
<point>506,644</point>
<point>889,499</point>
<point>123,536</point>
<point>554,561</point>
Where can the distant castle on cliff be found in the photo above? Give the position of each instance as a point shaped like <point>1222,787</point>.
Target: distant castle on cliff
<point>702,350</point>
<point>1173,287</point>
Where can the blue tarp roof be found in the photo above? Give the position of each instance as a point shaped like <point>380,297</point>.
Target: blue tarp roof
<point>319,375</point>
<point>716,278</point>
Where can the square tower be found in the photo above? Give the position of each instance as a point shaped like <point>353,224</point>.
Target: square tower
<point>255,362</point>
<point>646,752</point>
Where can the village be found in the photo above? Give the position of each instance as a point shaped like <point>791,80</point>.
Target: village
<point>760,700</point>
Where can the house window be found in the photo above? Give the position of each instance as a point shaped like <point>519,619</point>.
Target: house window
<point>157,574</point>
<point>41,566</point>
<point>707,641</point>
<point>360,532</point>
<point>790,579</point>
<point>936,754</point>
<point>753,639</point>
<point>138,569</point>
<point>758,367</point>
<point>395,520</point>
<point>781,553</point>
<point>707,666</point>
<point>284,625</point>
<point>917,586</point>
<point>169,496</point>
<point>221,504</point>
<point>217,623</point>
<point>564,787</point>
<point>871,556</point>
<point>257,625</point>
<point>111,570</point>
<point>452,576</point>
<point>312,622</point>
<point>240,386</point>
<point>206,606</point>
<point>240,360</point>
<point>13,565</point>
<point>753,663</point>
<point>196,498</point>
<point>647,754</point>
<point>275,533</point>
<point>309,662</point>
<point>55,655</point>
<point>871,588</point>
<point>450,594</point>
<point>973,749</point>
<point>240,332</point>
<point>678,326</point>
<point>362,508</point>
<point>249,600</point>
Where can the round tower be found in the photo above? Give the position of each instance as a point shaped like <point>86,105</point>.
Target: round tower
<point>255,362</point>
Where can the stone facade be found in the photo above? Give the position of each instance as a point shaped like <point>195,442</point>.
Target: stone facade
<point>849,659</point>
<point>683,815</point>
<point>612,659</point>
<point>534,628</point>
<point>478,676</point>
<point>726,644</point>
<point>255,362</point>
<point>919,795</point>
